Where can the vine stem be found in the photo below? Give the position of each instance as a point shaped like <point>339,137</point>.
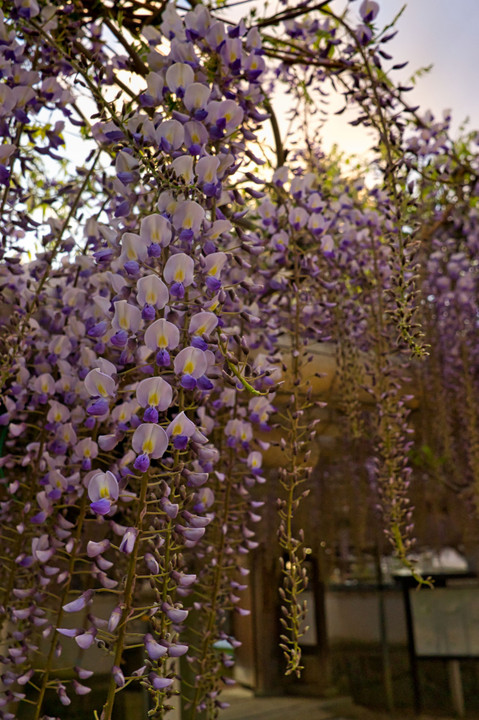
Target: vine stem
<point>99,99</point>
<point>167,551</point>
<point>280,155</point>
<point>54,251</point>
<point>21,537</point>
<point>13,157</point>
<point>215,594</point>
<point>292,580</point>
<point>381,126</point>
<point>388,433</point>
<point>471,417</point>
<point>60,613</point>
<point>128,598</point>
<point>11,164</point>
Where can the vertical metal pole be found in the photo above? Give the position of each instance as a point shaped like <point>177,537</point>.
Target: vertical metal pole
<point>455,684</point>
<point>416,686</point>
<point>387,674</point>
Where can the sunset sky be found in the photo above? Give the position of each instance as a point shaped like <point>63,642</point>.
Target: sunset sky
<point>441,32</point>
<point>438,32</point>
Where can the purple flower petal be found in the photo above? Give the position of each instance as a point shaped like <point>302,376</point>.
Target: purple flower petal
<point>79,603</point>
<point>69,632</point>
<point>80,689</point>
<point>96,548</point>
<point>98,407</point>
<point>128,541</point>
<point>142,463</point>
<point>176,615</point>
<point>154,649</point>
<point>101,507</point>
<point>160,683</point>
<point>188,382</point>
<point>85,640</point>
<point>177,650</point>
<point>118,676</point>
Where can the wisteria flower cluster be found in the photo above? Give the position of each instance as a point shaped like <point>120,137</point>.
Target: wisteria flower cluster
<point>116,409</point>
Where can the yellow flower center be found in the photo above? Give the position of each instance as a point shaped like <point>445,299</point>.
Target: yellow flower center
<point>148,446</point>
<point>153,398</point>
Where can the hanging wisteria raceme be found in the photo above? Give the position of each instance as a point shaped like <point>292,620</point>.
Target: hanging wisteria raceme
<point>335,271</point>
<point>124,349</point>
<point>171,318</point>
<point>449,291</point>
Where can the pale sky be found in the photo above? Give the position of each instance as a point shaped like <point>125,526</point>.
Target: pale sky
<point>444,32</point>
<point>441,32</point>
